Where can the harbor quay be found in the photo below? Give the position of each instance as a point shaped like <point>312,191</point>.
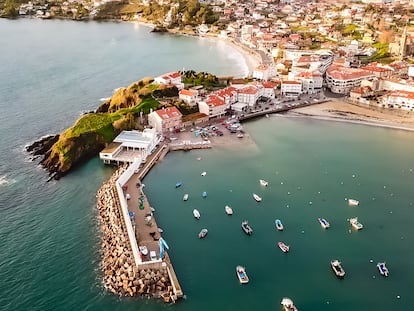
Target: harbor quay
<point>135,260</point>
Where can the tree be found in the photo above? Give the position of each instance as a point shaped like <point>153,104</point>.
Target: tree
<point>10,8</point>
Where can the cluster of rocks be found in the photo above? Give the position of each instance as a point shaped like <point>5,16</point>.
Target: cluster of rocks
<point>120,274</point>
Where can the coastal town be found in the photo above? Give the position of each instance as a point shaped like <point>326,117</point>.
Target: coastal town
<point>306,54</point>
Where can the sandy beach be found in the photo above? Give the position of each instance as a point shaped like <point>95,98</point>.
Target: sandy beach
<point>339,110</point>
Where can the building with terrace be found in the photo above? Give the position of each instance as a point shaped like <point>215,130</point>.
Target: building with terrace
<point>342,80</point>
<point>130,146</point>
<point>165,120</point>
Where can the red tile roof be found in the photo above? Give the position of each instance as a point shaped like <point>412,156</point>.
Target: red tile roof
<point>214,101</point>
<point>249,90</point>
<point>344,73</point>
<point>169,113</point>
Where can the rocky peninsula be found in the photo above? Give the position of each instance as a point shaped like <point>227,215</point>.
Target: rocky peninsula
<point>125,110</point>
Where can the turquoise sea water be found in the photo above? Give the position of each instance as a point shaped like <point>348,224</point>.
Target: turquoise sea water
<point>49,260</point>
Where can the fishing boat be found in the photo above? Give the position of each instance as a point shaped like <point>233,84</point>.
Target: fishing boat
<point>353,202</point>
<point>337,268</point>
<point>263,182</point>
<point>355,223</point>
<point>196,214</point>
<point>287,305</point>
<point>203,233</point>
<point>185,197</point>
<point>285,248</point>
<point>257,198</point>
<point>278,224</point>
<point>246,228</point>
<point>178,184</point>
<point>229,210</point>
<point>382,268</point>
<point>204,194</point>
<point>203,173</point>
<point>242,275</point>
<point>324,223</point>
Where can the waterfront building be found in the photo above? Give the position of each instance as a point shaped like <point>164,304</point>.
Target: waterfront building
<point>396,84</point>
<point>170,78</point>
<point>228,94</point>
<point>379,70</point>
<point>268,89</point>
<point>342,80</point>
<point>213,106</point>
<point>291,88</point>
<point>250,94</point>
<point>311,82</point>
<point>403,100</point>
<point>130,146</point>
<point>165,120</point>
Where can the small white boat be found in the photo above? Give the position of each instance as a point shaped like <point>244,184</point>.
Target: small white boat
<point>196,214</point>
<point>263,182</point>
<point>278,224</point>
<point>202,233</point>
<point>229,210</point>
<point>324,223</point>
<point>285,248</point>
<point>382,268</point>
<point>203,173</point>
<point>337,268</point>
<point>355,223</point>
<point>287,305</point>
<point>353,202</point>
<point>257,198</point>
<point>242,275</point>
<point>185,197</point>
<point>128,196</point>
<point>144,250</point>
<point>204,194</point>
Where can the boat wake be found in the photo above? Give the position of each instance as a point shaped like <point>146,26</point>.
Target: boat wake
<point>6,182</point>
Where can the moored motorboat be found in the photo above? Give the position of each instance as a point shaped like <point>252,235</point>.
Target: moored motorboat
<point>203,233</point>
<point>287,305</point>
<point>229,210</point>
<point>203,173</point>
<point>324,223</point>
<point>382,268</point>
<point>185,197</point>
<point>246,227</point>
<point>242,275</point>
<point>285,248</point>
<point>337,268</point>
<point>196,214</point>
<point>204,194</point>
<point>355,223</point>
<point>178,184</point>
<point>353,202</point>
<point>257,198</point>
<point>278,224</point>
<point>263,182</point>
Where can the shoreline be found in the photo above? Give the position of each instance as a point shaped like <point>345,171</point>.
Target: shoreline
<point>341,111</point>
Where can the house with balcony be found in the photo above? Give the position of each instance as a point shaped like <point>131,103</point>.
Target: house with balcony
<point>311,82</point>
<point>130,146</point>
<point>214,106</point>
<point>342,80</point>
<point>403,100</point>
<point>291,88</point>
<point>165,120</point>
<point>249,94</point>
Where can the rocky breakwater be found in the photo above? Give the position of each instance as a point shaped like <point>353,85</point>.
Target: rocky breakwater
<point>120,274</point>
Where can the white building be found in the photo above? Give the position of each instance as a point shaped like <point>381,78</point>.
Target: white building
<point>399,100</point>
<point>165,120</point>
<point>130,146</point>
<point>291,88</point>
<point>311,82</point>
<point>213,106</point>
<point>249,94</point>
<point>342,80</point>
<point>188,96</point>
<point>173,78</point>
